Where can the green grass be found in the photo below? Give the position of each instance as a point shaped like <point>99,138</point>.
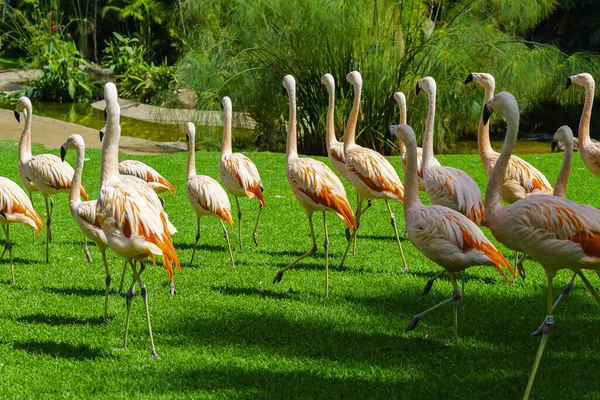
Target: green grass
<point>232,333</point>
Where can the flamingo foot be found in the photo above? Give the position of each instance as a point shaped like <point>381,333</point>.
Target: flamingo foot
<point>414,322</point>
<point>278,276</point>
<point>87,254</point>
<point>154,355</point>
<point>255,237</point>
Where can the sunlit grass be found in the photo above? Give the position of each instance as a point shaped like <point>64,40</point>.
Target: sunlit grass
<point>232,333</point>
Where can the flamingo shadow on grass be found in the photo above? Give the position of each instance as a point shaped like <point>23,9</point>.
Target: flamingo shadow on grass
<point>256,292</point>
<point>63,350</point>
<point>201,247</point>
<point>60,320</point>
<point>75,291</point>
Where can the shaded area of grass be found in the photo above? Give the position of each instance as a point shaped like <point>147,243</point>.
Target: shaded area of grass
<point>232,333</point>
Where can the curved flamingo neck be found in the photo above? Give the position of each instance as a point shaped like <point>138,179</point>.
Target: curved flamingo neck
<point>586,115</point>
<point>25,141</point>
<point>483,131</point>
<point>292,145</point>
<point>330,127</point>
<point>350,134</point>
<point>402,112</point>
<point>191,167</point>
<point>560,187</point>
<point>226,143</point>
<point>110,147</point>
<point>411,185</point>
<point>493,191</point>
<point>74,192</point>
<point>428,137</point>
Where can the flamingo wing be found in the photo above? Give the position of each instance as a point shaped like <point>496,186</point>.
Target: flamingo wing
<point>16,205</point>
<point>147,174</point>
<point>318,184</point>
<point>131,211</point>
<point>374,171</point>
<point>48,170</point>
<point>87,219</point>
<point>206,193</point>
<point>452,240</point>
<point>337,152</point>
<point>244,174</point>
<point>455,189</point>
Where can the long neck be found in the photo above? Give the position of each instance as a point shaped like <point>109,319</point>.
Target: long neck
<point>110,147</point>
<point>560,188</point>
<point>349,135</point>
<point>25,142</point>
<point>191,167</point>
<point>402,108</point>
<point>411,185</point>
<point>292,145</point>
<point>226,143</point>
<point>586,115</point>
<point>493,191</point>
<point>330,127</point>
<point>74,193</point>
<point>428,137</point>
<point>483,131</point>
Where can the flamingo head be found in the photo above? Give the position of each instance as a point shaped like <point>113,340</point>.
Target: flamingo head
<point>400,98</point>
<point>427,84</point>
<point>289,83</point>
<point>404,133</point>
<point>354,78</point>
<point>502,103</point>
<point>328,81</point>
<point>226,103</point>
<point>583,79</point>
<point>22,104</point>
<point>564,134</point>
<point>485,80</point>
<point>74,141</point>
<point>190,132</point>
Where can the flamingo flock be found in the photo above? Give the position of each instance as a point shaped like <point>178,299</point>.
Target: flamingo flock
<point>128,216</point>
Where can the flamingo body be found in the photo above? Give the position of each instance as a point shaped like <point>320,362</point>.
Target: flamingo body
<point>208,198</point>
<point>148,174</point>
<point>240,177</point>
<point>17,207</point>
<point>372,175</point>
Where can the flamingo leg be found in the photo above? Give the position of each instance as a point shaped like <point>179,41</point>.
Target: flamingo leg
<point>239,215</point>
<point>312,251</point>
<point>107,282</point>
<point>226,234</point>
<point>352,238</point>
<point>128,300</point>
<point>48,229</point>
<point>144,292</point>
<point>589,286</point>
<point>519,265</point>
<point>358,215</point>
<point>564,292</point>
<point>31,200</point>
<point>122,277</point>
<point>86,251</point>
<point>254,235</point>
<point>196,242</point>
<point>455,297</point>
<point>393,221</point>
<point>326,247</point>
<point>8,246</point>
<point>547,331</point>
<point>430,281</point>
<point>462,298</point>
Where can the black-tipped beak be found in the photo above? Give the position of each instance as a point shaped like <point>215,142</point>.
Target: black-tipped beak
<point>101,135</point>
<point>569,83</point>
<point>105,114</point>
<point>418,89</point>
<point>63,153</point>
<point>469,79</point>
<point>553,145</point>
<point>187,137</point>
<point>486,114</point>
<point>2,214</point>
<point>17,116</point>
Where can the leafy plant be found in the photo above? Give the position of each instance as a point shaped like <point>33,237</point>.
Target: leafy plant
<point>123,53</point>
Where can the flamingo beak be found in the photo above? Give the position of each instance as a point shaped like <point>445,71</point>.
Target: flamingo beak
<point>469,79</point>
<point>101,134</point>
<point>418,89</point>
<point>569,83</point>
<point>17,116</point>
<point>2,214</point>
<point>63,153</point>
<point>486,114</point>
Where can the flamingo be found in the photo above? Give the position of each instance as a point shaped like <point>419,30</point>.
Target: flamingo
<point>43,172</point>
<point>335,149</point>
<point>315,185</point>
<point>589,151</point>
<point>15,207</point>
<point>144,172</point>
<point>205,194</point>
<point>372,176</point>
<point>84,212</point>
<point>238,173</point>
<point>130,214</point>
<point>401,100</point>
<point>555,232</point>
<point>522,179</point>
<point>443,235</point>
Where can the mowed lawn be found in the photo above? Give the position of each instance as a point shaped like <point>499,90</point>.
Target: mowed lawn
<point>232,333</point>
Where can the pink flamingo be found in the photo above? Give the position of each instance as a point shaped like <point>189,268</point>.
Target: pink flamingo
<point>315,186</point>
<point>443,235</point>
